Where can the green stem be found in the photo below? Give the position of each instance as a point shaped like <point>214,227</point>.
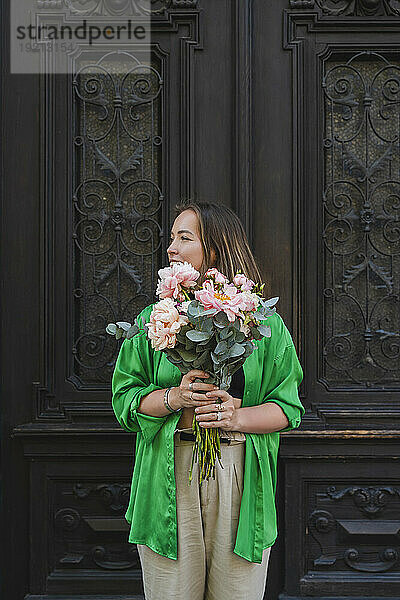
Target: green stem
<point>186,294</point>
<point>206,448</point>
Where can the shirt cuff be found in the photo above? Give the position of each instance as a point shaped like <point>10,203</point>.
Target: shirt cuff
<point>149,425</point>
<point>292,413</point>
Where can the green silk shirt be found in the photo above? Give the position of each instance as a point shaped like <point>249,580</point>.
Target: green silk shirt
<point>272,373</point>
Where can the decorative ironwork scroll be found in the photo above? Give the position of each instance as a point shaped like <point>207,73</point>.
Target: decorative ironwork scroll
<point>360,8</point>
<point>125,8</point>
<point>117,204</point>
<point>361,204</point>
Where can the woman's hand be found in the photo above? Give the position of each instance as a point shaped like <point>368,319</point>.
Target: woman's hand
<point>207,415</point>
<point>189,393</point>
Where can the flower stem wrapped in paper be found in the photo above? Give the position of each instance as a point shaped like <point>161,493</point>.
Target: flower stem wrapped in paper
<point>209,327</point>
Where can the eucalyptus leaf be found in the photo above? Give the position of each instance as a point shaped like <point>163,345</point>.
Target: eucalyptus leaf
<point>215,358</point>
<point>221,319</point>
<point>226,333</point>
<point>175,361</point>
<point>260,316</point>
<point>235,365</point>
<point>197,336</point>
<point>249,348</point>
<point>239,336</point>
<point>132,331</point>
<point>204,358</point>
<point>185,354</point>
<point>194,309</point>
<point>236,350</point>
<point>141,323</point>
<point>210,311</point>
<point>270,302</point>
<point>255,333</point>
<point>111,328</point>
<point>237,324</point>
<point>181,337</point>
<point>207,341</point>
<point>187,365</point>
<point>189,345</point>
<point>174,353</point>
<point>221,347</point>
<point>181,367</point>
<point>196,364</point>
<point>119,334</point>
<point>124,325</point>
<point>265,331</point>
<point>206,324</point>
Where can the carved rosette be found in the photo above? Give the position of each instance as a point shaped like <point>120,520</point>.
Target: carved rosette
<point>322,521</point>
<point>67,519</point>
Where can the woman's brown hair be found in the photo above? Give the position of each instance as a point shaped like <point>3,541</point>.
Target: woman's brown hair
<point>220,230</point>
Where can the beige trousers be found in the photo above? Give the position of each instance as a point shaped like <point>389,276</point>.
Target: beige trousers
<point>207,568</point>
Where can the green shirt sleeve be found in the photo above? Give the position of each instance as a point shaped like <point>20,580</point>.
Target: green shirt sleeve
<point>132,380</point>
<point>286,376</point>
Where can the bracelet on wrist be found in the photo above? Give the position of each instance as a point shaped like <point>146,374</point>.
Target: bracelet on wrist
<point>166,403</point>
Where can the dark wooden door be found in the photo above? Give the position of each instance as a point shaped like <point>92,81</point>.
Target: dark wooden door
<point>289,113</point>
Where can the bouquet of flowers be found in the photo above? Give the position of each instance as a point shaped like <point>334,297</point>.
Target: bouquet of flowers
<point>211,327</point>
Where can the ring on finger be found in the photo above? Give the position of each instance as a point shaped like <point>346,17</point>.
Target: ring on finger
<point>191,396</point>
<point>219,407</point>
<point>191,385</point>
<point>219,416</point>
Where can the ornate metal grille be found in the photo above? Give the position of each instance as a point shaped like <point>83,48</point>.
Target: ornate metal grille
<point>361,213</point>
<point>360,8</point>
<point>117,204</point>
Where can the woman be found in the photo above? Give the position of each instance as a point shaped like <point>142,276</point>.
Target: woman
<point>208,542</point>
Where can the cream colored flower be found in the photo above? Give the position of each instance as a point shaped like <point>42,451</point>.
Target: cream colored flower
<point>165,323</point>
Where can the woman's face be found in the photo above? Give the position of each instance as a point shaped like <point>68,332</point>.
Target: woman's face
<point>185,240</point>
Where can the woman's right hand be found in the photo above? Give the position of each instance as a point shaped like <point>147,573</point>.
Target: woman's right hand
<point>193,396</point>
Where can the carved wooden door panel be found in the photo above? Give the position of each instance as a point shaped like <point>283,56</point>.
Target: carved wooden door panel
<point>289,113</point>
<point>93,164</point>
<point>341,531</point>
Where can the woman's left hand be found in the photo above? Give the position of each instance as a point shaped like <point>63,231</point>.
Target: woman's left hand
<point>207,415</point>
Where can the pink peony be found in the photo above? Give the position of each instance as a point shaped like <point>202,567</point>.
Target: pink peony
<point>242,302</point>
<point>228,298</point>
<point>209,297</point>
<point>250,301</point>
<point>165,323</point>
<point>168,287</point>
<point>243,282</point>
<point>216,275</point>
<point>235,304</point>
<point>174,278</point>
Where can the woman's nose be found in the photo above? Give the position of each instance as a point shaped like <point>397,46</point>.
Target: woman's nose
<point>171,251</point>
<point>171,248</point>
